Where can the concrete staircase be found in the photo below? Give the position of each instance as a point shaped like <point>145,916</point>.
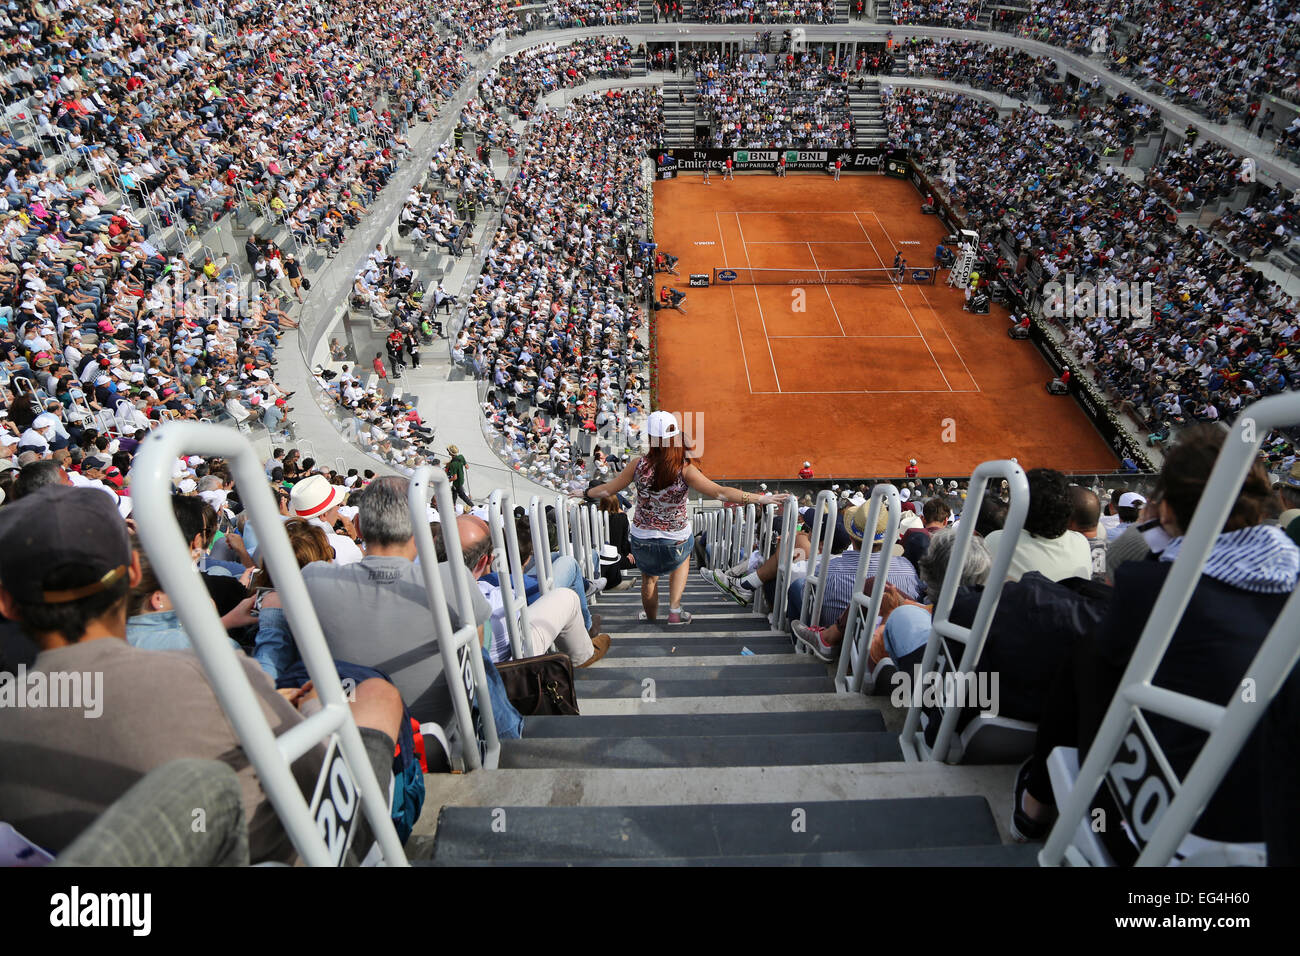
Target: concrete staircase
<point>868,114</point>
<point>679,111</point>
<point>841,11</point>
<point>712,744</point>
<point>647,9</point>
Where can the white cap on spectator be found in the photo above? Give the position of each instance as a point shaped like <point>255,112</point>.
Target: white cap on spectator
<point>905,494</point>
<point>1131,499</point>
<point>662,425</point>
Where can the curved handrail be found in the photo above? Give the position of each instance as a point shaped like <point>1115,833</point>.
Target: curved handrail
<point>825,511</point>
<point>789,517</point>
<point>509,570</point>
<point>537,526</point>
<point>459,648</point>
<point>168,551</point>
<point>1229,727</point>
<point>943,628</point>
<point>856,646</point>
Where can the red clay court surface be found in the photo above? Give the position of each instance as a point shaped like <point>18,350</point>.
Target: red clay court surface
<point>868,376</point>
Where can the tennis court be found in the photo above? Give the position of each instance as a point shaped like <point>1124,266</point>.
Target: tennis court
<point>847,369</point>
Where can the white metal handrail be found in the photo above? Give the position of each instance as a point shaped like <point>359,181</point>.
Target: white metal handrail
<point>542,565</point>
<point>1229,727</point>
<point>563,540</point>
<point>855,648</point>
<point>943,629</point>
<point>822,535</point>
<point>509,570</point>
<point>765,537</point>
<point>475,724</point>
<point>168,551</point>
<point>580,531</point>
<point>785,557</point>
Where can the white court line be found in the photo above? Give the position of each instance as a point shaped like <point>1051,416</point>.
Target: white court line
<point>844,336</point>
<point>935,313</point>
<point>796,242</point>
<point>735,313</point>
<point>826,290</point>
<point>899,290</point>
<point>775,374</point>
<point>882,391</point>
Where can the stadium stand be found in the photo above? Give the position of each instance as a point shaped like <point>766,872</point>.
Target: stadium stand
<point>164,564</point>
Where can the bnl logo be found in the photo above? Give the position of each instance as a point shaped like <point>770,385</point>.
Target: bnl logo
<point>690,428</point>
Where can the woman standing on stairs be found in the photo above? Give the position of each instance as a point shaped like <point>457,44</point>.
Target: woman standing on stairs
<point>661,536</point>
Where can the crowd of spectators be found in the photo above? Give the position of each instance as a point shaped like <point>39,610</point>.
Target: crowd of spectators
<point>553,320</point>
<point>938,13</point>
<point>979,64</point>
<point>1220,57</point>
<point>1270,221</point>
<point>149,118</point>
<point>765,11</point>
<point>1218,334</point>
<point>1115,123</point>
<point>798,102</point>
<point>593,13</point>
<point>1190,176</point>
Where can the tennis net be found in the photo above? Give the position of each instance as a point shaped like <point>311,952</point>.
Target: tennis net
<point>746,276</point>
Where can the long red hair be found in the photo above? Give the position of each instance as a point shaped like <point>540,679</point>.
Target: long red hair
<point>667,459</point>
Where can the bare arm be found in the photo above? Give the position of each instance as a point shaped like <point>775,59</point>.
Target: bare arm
<point>700,482</point>
<point>615,485</point>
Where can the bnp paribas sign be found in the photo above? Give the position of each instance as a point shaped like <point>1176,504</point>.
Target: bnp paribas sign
<point>756,156</point>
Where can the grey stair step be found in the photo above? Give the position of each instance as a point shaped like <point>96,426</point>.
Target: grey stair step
<point>700,647</point>
<point>602,686</point>
<point>613,622</point>
<point>575,834</point>
<point>716,672</point>
<point>1007,854</point>
<point>737,750</point>
<point>689,633</point>
<point>705,725</point>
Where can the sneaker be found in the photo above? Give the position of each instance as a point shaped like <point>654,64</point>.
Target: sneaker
<point>595,587</point>
<point>729,586</point>
<point>678,617</point>
<point>1024,828</point>
<point>811,638</point>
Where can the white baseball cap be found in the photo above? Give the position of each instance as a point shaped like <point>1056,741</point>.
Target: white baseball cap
<point>662,425</point>
<point>1131,499</point>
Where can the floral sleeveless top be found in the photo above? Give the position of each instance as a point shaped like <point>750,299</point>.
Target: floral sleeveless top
<point>659,514</point>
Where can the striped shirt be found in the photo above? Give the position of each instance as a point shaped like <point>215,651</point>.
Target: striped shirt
<point>1260,558</point>
<point>843,569</point>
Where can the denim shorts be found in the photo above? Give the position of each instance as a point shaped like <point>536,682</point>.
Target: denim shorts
<point>659,556</point>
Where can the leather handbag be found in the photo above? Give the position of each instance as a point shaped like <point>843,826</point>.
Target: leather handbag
<point>539,686</point>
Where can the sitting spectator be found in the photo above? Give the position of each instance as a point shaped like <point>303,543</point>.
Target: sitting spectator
<point>1085,516</point>
<point>554,618</point>
<point>1046,544</point>
<point>376,612</point>
<point>67,570</point>
<point>1251,572</point>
